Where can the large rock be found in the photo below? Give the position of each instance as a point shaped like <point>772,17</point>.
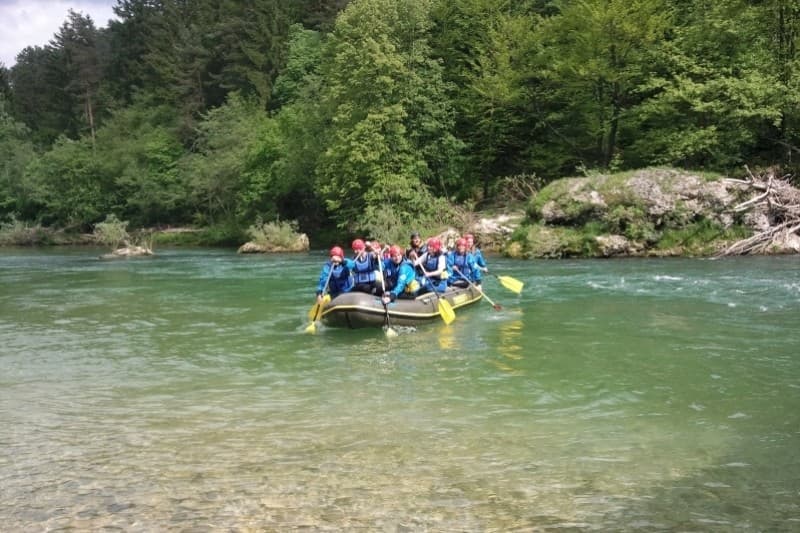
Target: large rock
<point>612,245</point>
<point>300,244</point>
<point>128,251</point>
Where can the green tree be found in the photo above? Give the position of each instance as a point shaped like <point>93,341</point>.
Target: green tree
<point>498,99</point>
<point>599,51</point>
<point>782,41</point>
<point>67,183</point>
<point>390,137</point>
<point>127,72</point>
<point>317,14</point>
<point>249,46</point>
<point>76,45</point>
<point>178,58</point>
<point>219,169</point>
<point>16,152</point>
<point>5,83</point>
<point>139,151</point>
<point>712,100</point>
<point>40,99</point>
<point>302,124</point>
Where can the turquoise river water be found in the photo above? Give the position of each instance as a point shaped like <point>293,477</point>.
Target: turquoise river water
<point>182,393</point>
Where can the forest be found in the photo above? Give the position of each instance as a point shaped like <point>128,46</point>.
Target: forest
<point>371,117</point>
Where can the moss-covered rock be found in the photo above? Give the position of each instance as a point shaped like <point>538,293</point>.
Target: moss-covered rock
<point>645,212</point>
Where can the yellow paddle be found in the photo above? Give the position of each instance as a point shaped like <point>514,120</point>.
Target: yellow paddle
<point>445,309</point>
<point>313,313</point>
<point>512,284</point>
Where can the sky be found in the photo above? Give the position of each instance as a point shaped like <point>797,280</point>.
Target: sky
<point>34,22</point>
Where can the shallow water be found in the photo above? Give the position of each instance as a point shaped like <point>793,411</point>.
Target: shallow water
<point>182,393</point>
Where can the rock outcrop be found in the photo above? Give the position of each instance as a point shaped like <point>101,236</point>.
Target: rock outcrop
<point>129,250</point>
<point>300,244</point>
<point>660,212</point>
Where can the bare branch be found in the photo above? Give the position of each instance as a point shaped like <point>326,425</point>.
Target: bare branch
<point>779,204</point>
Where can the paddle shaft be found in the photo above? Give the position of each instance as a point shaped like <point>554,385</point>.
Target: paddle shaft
<point>324,292</point>
<point>496,307</point>
<point>383,291</point>
<point>445,310</point>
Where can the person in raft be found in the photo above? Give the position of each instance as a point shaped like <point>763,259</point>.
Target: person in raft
<point>475,250</point>
<point>398,276</point>
<point>415,247</point>
<point>433,263</point>
<point>336,276</point>
<point>365,267</point>
<point>462,266</point>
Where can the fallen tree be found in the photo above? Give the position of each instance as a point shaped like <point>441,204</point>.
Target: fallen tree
<point>773,212</point>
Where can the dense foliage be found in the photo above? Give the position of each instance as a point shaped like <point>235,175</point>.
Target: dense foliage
<point>373,116</point>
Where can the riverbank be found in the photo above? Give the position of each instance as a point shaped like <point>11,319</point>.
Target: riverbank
<point>644,213</point>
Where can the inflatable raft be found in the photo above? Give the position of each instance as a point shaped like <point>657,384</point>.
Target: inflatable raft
<point>362,310</point>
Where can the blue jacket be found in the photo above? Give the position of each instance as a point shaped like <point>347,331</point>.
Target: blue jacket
<point>341,279</point>
<point>400,278</point>
<point>467,265</point>
<point>479,260</point>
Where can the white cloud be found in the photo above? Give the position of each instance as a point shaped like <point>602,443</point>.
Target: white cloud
<point>33,23</point>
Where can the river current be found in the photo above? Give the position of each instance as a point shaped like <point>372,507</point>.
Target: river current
<point>183,393</point>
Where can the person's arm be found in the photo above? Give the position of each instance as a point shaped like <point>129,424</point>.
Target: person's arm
<point>451,260</point>
<point>480,260</point>
<point>404,276</point>
<point>474,269</point>
<point>324,277</point>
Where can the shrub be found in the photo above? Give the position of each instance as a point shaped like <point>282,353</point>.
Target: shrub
<point>278,234</point>
<point>18,233</point>
<point>112,231</point>
<point>700,238</point>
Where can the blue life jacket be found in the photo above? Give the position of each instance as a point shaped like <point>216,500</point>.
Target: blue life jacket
<point>341,277</point>
<point>467,267</point>
<point>432,264</point>
<point>364,269</point>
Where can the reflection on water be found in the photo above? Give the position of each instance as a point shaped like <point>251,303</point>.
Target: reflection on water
<point>183,393</point>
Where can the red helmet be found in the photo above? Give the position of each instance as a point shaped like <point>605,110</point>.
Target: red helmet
<point>434,244</point>
<point>336,250</point>
<point>358,245</point>
<point>461,242</point>
<point>395,250</point>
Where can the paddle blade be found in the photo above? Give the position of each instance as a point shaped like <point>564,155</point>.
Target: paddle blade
<point>313,312</point>
<point>512,284</point>
<point>390,332</point>
<point>446,311</point>
<point>311,328</point>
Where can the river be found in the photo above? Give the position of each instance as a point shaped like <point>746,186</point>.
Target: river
<point>183,393</point>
